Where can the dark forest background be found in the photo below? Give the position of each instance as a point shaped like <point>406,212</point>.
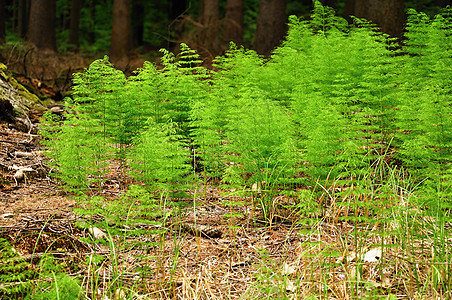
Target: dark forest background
<point>139,28</point>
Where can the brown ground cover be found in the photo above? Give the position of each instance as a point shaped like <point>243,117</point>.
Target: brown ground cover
<point>204,255</point>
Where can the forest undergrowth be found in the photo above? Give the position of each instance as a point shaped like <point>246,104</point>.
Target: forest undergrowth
<point>343,136</point>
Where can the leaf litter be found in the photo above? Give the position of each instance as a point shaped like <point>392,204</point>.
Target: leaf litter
<point>205,255</point>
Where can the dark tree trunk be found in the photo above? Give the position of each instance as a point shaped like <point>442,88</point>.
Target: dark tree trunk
<point>271,25</point>
<point>63,19</point>
<point>330,3</point>
<point>443,3</point>
<point>74,25</point>
<point>201,10</point>
<point>177,8</point>
<point>233,22</point>
<point>389,15</point>
<point>23,14</point>
<point>175,11</point>
<point>41,27</point>
<point>210,12</point>
<point>349,9</point>
<point>209,18</point>
<point>138,22</point>
<point>2,21</point>
<point>121,33</point>
<point>91,35</point>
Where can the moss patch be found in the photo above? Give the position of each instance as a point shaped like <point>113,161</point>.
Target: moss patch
<point>13,92</point>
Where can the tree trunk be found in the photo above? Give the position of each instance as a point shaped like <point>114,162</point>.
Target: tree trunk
<point>177,8</point>
<point>389,15</point>
<point>63,18</point>
<point>74,25</point>
<point>233,22</point>
<point>138,13</point>
<point>91,35</point>
<point>121,33</point>
<point>330,3</point>
<point>443,3</point>
<point>2,22</point>
<point>201,11</point>
<point>209,18</point>
<point>176,27</point>
<point>271,25</point>
<point>23,14</point>
<point>210,14</point>
<point>349,9</point>
<point>41,27</point>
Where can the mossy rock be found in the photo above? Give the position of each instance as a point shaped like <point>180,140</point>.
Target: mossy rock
<point>17,95</point>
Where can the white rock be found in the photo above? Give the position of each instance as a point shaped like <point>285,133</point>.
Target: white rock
<point>288,269</point>
<point>23,154</point>
<point>373,255</point>
<point>97,233</point>
<point>290,286</point>
<point>19,175</point>
<point>57,110</point>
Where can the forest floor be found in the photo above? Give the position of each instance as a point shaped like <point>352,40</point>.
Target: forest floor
<point>218,259</point>
<point>49,74</point>
<point>209,250</point>
<point>202,255</point>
